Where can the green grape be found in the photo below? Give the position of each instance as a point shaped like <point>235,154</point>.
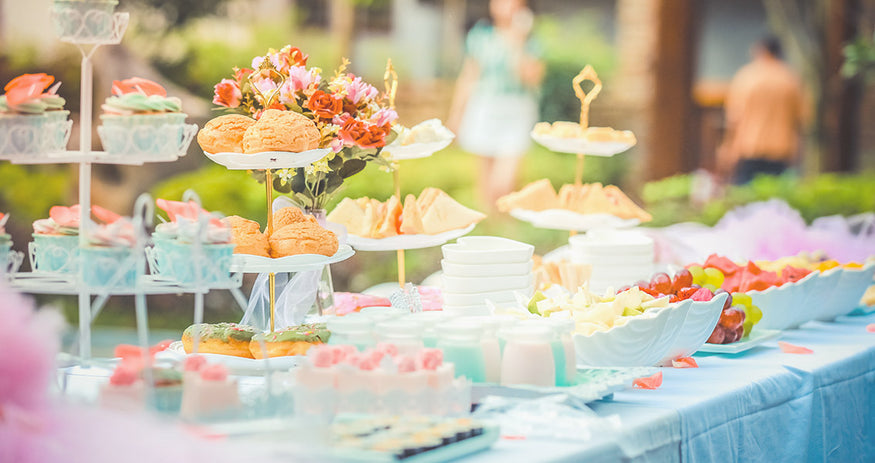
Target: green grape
<point>698,274</point>
<point>631,312</point>
<point>747,325</point>
<point>753,313</point>
<point>710,286</point>
<point>714,276</point>
<point>742,299</point>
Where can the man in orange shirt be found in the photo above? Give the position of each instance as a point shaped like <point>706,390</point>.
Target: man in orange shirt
<point>764,115</point>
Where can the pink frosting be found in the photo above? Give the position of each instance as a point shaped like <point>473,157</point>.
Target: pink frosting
<point>388,349</point>
<point>375,354</point>
<point>322,356</point>
<point>369,363</point>
<point>406,364</point>
<point>353,359</point>
<point>431,359</point>
<point>124,375</point>
<point>214,372</point>
<point>194,363</point>
<point>342,352</point>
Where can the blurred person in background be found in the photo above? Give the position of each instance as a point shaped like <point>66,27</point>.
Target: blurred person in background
<point>765,113</point>
<point>495,103</point>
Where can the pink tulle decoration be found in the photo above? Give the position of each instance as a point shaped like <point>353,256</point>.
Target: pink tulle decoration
<point>766,230</point>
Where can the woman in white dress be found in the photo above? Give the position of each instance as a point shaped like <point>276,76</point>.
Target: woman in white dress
<point>495,103</point>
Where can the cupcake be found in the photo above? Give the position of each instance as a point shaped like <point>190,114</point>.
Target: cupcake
<point>56,241</point>
<point>84,21</point>
<point>174,245</point>
<point>32,117</point>
<point>139,119</point>
<point>109,260</point>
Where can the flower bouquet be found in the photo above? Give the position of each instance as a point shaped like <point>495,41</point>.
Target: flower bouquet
<point>347,111</point>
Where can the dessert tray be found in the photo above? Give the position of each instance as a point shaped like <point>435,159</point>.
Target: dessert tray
<point>580,145</point>
<point>593,383</point>
<point>394,243</point>
<point>238,365</point>
<point>268,159</point>
<point>562,219</point>
<point>399,152</point>
<point>756,337</point>
<point>247,263</point>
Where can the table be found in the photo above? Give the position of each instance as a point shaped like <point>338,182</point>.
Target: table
<point>763,405</point>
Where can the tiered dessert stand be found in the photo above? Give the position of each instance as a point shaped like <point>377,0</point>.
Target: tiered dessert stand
<point>268,162</point>
<point>560,219</point>
<point>73,28</point>
<point>396,154</point>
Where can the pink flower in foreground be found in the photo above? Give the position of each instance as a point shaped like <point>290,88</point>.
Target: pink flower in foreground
<point>384,116</point>
<point>227,93</point>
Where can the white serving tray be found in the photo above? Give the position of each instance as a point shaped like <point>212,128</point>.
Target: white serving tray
<point>235,364</point>
<point>399,152</point>
<point>394,243</point>
<point>756,337</point>
<point>247,263</point>
<point>267,159</point>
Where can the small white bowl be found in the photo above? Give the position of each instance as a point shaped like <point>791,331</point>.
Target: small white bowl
<point>487,284</point>
<point>466,310</point>
<point>612,243</point>
<point>783,306</point>
<point>487,249</point>
<point>498,297</point>
<point>479,270</point>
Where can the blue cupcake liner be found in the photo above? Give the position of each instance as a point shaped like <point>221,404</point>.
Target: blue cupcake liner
<point>55,253</point>
<point>109,267</point>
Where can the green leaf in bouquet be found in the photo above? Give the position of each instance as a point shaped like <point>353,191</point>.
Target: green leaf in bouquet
<point>281,185</point>
<point>350,168</point>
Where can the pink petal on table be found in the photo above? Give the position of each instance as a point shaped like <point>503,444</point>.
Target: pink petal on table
<point>685,362</point>
<point>650,382</point>
<point>870,327</point>
<point>793,349</point>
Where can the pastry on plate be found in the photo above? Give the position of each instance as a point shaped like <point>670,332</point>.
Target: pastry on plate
<point>294,340</point>
<point>219,338</point>
<point>306,237</point>
<point>281,131</point>
<point>224,134</point>
<point>247,236</point>
<point>535,196</point>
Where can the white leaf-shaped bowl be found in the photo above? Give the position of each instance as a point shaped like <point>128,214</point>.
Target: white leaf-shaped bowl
<point>848,291</point>
<point>783,306</point>
<point>641,341</point>
<point>700,322</point>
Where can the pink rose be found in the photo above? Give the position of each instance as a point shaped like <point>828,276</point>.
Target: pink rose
<point>65,216</point>
<point>227,93</point>
<point>357,90</point>
<point>384,116</point>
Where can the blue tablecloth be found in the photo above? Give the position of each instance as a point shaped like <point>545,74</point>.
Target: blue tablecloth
<point>761,405</point>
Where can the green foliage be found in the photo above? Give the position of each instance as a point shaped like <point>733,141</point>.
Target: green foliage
<point>29,192</point>
<point>563,62</point>
<point>860,58</point>
<point>828,194</point>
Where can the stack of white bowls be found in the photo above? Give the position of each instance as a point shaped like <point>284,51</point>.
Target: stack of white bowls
<point>477,269</point>
<point>617,257</point>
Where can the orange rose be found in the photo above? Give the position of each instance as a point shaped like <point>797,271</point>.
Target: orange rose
<point>358,133</point>
<point>324,105</point>
<point>26,87</point>
<point>226,93</point>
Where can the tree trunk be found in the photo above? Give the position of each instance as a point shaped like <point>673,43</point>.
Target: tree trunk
<point>342,24</point>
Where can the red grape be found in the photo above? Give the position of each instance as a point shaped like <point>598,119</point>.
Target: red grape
<point>716,335</point>
<point>728,302</point>
<point>731,318</point>
<point>661,282</point>
<point>733,335</point>
<point>682,279</point>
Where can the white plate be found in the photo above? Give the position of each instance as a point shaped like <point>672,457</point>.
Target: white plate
<point>562,219</point>
<point>236,364</point>
<point>594,383</point>
<point>487,249</point>
<point>453,269</point>
<point>398,152</point>
<point>755,338</point>
<point>248,263</point>
<point>268,159</point>
<point>394,243</point>
<point>581,146</point>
